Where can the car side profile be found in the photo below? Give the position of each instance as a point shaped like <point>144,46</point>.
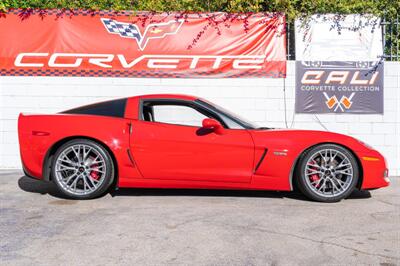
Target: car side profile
<point>180,141</point>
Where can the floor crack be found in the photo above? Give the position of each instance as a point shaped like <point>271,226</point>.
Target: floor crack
<point>316,241</point>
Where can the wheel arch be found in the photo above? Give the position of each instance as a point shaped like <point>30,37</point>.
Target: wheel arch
<point>297,160</point>
<point>52,150</point>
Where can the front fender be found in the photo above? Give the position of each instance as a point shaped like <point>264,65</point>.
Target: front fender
<point>285,148</point>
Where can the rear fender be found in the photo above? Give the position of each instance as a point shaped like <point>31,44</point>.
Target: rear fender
<point>37,149</point>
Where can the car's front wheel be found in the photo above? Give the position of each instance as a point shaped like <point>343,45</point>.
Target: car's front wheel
<point>327,173</point>
<point>82,169</point>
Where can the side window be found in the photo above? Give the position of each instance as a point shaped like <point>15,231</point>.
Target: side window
<point>177,114</point>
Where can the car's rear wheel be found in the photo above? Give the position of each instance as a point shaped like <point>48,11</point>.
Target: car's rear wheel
<point>82,169</point>
<point>327,173</point>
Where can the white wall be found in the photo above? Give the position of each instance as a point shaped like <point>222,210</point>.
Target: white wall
<point>261,100</point>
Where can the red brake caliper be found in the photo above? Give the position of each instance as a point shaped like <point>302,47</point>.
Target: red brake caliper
<point>315,177</point>
<point>94,174</point>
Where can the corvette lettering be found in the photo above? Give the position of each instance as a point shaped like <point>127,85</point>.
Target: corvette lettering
<point>75,60</point>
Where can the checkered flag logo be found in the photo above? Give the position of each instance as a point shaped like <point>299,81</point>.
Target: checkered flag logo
<point>152,31</point>
<point>125,30</point>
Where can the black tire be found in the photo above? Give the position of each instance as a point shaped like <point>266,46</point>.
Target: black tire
<point>105,180</point>
<point>305,187</point>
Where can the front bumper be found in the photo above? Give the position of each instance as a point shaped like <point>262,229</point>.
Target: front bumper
<point>374,170</point>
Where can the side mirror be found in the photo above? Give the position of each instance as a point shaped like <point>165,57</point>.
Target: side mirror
<point>213,124</point>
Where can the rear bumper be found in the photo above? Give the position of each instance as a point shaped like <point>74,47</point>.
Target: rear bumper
<point>375,172</point>
<point>28,173</point>
<point>32,148</point>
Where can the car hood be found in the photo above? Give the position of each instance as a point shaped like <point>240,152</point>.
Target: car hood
<point>302,139</point>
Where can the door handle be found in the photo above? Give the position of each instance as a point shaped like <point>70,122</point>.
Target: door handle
<point>130,128</point>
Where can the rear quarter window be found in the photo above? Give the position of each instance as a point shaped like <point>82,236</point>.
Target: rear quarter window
<point>114,108</point>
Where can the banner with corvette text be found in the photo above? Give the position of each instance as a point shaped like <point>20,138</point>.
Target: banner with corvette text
<point>128,44</point>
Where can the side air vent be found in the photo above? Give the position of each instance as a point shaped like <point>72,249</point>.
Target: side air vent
<point>261,160</point>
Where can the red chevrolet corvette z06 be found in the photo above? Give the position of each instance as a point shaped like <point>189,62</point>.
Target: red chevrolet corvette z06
<point>177,141</point>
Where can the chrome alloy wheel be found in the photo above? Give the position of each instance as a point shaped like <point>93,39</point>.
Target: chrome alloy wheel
<point>329,173</point>
<point>80,169</point>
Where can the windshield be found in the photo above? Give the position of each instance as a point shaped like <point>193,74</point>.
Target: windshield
<point>242,121</point>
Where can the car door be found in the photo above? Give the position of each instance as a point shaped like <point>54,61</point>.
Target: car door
<point>173,146</point>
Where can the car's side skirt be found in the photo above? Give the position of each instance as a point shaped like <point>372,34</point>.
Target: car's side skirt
<point>258,182</point>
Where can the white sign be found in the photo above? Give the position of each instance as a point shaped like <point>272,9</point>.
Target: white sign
<point>339,38</point>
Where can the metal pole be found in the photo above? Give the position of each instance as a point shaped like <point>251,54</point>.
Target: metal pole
<point>391,40</point>
<point>397,37</point>
<point>288,38</point>
<point>384,36</point>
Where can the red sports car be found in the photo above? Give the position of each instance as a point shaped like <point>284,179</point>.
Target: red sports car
<point>178,141</point>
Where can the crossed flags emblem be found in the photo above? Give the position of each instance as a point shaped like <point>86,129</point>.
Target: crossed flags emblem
<point>344,103</point>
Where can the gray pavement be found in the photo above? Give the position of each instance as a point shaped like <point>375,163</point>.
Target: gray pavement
<point>195,227</point>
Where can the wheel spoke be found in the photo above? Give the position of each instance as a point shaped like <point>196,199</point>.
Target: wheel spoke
<point>80,153</point>
<point>315,162</point>
<point>339,183</point>
<point>66,159</point>
<point>85,183</point>
<point>66,163</point>
<point>323,185</point>
<point>334,187</point>
<point>85,155</point>
<point>334,156</point>
<point>314,172</point>
<point>69,178</point>
<point>330,156</point>
<point>344,168</point>
<point>65,168</point>
<point>327,156</point>
<point>76,154</point>
<point>342,183</point>
<point>323,158</point>
<point>95,162</point>
<point>319,182</point>
<point>91,181</point>
<point>344,173</point>
<point>100,171</point>
<point>343,163</point>
<point>311,166</point>
<point>73,184</point>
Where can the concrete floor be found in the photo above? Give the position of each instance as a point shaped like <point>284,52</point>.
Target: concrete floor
<point>195,227</point>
